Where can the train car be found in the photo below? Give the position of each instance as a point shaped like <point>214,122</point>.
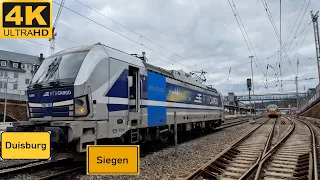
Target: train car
<point>96,94</point>
<point>273,111</point>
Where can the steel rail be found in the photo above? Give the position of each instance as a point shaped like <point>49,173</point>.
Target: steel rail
<point>17,165</point>
<point>247,174</point>
<point>269,153</point>
<point>30,166</point>
<point>196,173</point>
<point>314,153</point>
<point>59,174</point>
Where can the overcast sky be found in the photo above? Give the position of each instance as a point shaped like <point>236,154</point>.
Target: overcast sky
<point>196,35</point>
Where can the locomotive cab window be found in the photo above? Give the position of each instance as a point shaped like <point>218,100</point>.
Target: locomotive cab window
<point>62,67</point>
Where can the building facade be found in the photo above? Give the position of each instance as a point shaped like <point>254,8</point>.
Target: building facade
<point>16,71</point>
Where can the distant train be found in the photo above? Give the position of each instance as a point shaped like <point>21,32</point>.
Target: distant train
<point>273,110</point>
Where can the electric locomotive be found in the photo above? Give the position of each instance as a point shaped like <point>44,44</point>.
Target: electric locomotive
<point>96,94</point>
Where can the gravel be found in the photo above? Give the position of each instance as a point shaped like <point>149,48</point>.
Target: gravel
<point>30,174</point>
<point>301,128</point>
<point>191,156</point>
<point>279,130</point>
<point>7,163</point>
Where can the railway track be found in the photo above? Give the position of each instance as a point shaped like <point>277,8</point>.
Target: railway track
<point>150,148</point>
<point>236,161</point>
<point>41,170</point>
<point>293,158</point>
<point>316,128</point>
<point>15,170</point>
<point>62,173</point>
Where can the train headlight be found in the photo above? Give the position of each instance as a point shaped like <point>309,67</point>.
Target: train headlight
<point>81,107</point>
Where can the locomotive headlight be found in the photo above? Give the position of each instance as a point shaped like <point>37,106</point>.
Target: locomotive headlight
<point>81,108</point>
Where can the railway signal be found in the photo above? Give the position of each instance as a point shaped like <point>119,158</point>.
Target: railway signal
<point>249,84</point>
<point>249,89</point>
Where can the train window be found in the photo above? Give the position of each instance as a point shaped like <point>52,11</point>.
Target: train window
<point>134,88</point>
<point>3,63</point>
<point>66,67</point>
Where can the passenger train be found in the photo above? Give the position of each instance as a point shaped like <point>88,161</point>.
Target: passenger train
<point>96,94</point>
<point>273,110</point>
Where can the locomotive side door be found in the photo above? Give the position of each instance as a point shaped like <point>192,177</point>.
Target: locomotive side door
<point>134,116</point>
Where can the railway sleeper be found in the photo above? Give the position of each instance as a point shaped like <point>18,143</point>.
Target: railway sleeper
<point>249,155</point>
<point>303,158</point>
<point>241,165</point>
<point>288,155</point>
<point>222,161</point>
<point>302,164</point>
<point>301,173</point>
<point>219,165</point>
<point>246,158</point>
<point>304,155</point>
<point>301,178</point>
<point>284,170</point>
<point>231,154</point>
<point>288,166</point>
<point>233,151</point>
<point>276,174</point>
<point>214,169</point>
<point>232,175</point>
<point>229,158</point>
<point>302,167</point>
<point>236,169</point>
<point>208,174</point>
<point>286,158</point>
<point>284,162</point>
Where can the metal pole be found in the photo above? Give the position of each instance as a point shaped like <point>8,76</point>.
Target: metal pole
<point>175,134</point>
<point>317,39</point>
<point>254,103</point>
<point>250,104</point>
<point>280,53</point>
<point>297,89</point>
<point>239,113</point>
<point>5,103</point>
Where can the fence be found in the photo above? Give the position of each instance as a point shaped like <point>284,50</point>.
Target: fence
<point>17,97</point>
<point>310,99</point>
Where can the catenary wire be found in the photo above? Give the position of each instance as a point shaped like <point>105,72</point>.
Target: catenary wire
<point>118,33</point>
<point>132,30</point>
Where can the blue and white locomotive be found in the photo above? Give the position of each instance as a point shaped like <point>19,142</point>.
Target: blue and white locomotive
<point>98,95</point>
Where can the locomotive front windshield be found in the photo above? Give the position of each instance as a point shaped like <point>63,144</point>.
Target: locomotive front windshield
<point>272,107</point>
<point>62,68</point>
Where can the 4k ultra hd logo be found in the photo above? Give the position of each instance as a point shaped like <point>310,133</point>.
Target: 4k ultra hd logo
<point>25,18</point>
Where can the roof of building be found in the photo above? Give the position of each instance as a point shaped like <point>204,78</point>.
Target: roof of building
<point>18,57</point>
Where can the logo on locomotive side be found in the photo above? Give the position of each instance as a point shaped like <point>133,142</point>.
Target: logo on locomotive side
<point>57,93</point>
<point>206,99</point>
<point>198,98</point>
<point>156,88</point>
<point>210,100</point>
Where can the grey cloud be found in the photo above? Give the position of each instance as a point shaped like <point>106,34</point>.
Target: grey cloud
<point>204,32</point>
